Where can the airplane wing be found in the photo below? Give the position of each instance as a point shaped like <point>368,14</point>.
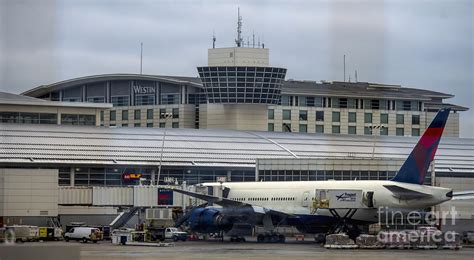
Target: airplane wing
<point>212,199</point>
<point>404,193</point>
<point>231,203</point>
<point>463,195</point>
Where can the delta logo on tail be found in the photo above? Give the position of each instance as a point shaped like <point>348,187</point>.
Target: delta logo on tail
<point>415,167</point>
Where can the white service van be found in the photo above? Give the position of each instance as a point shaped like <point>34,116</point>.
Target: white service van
<point>83,234</point>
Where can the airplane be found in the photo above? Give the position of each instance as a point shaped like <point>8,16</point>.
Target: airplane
<point>302,203</point>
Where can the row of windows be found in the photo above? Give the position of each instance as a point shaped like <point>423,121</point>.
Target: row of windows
<point>303,128</point>
<point>28,118</point>
<point>241,69</point>
<point>142,100</point>
<point>85,176</point>
<point>323,175</point>
<point>149,114</point>
<point>243,81</point>
<point>73,119</point>
<point>256,85</point>
<point>160,125</point>
<point>46,118</point>
<point>376,104</point>
<point>266,199</point>
<point>336,117</point>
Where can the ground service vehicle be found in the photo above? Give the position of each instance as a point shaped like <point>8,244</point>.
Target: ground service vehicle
<point>83,234</point>
<point>175,234</point>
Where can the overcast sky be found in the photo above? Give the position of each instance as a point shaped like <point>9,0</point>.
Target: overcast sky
<point>421,44</point>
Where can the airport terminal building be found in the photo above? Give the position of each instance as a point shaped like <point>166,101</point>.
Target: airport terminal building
<point>239,90</point>
<point>64,142</point>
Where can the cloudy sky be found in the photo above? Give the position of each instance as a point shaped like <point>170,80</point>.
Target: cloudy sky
<point>422,44</point>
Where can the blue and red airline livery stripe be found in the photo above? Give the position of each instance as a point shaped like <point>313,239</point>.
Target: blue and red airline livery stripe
<point>416,166</point>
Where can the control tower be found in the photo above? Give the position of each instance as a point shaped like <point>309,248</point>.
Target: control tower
<point>240,84</point>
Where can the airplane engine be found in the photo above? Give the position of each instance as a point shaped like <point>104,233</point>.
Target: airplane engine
<point>208,220</point>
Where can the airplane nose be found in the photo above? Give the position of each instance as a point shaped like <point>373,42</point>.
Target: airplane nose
<point>449,194</point>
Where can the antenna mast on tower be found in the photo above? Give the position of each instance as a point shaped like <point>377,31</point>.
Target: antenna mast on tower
<point>239,39</point>
<point>213,40</point>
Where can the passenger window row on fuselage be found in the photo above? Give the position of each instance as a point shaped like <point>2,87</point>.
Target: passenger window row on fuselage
<point>266,199</point>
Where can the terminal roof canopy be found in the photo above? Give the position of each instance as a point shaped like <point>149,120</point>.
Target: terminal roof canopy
<point>72,145</point>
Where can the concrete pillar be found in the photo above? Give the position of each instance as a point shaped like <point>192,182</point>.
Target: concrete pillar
<point>72,176</point>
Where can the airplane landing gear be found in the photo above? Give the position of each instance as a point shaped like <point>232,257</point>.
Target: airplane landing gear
<point>344,225</point>
<point>271,238</point>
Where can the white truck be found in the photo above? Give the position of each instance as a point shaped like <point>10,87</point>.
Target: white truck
<point>175,234</point>
<point>84,234</point>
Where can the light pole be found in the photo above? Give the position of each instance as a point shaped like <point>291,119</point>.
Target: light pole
<point>164,116</point>
<point>372,127</point>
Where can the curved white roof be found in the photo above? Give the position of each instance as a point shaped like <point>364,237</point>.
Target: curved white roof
<point>84,145</point>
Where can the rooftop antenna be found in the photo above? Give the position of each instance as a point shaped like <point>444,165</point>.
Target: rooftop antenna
<point>213,39</point>
<point>253,39</point>
<point>141,57</point>
<point>344,61</point>
<point>239,39</point>
<point>356,76</point>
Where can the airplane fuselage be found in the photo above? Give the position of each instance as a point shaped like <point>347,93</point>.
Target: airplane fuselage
<point>296,197</point>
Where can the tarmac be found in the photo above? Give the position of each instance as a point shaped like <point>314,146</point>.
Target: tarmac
<point>105,250</point>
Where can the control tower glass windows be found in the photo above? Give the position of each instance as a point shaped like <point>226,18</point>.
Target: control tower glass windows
<point>120,101</point>
<point>242,84</point>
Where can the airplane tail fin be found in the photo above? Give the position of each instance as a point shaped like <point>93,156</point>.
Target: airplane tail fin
<point>416,166</point>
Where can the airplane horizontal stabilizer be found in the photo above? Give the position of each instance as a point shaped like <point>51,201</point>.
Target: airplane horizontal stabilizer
<point>463,195</point>
<point>404,193</point>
